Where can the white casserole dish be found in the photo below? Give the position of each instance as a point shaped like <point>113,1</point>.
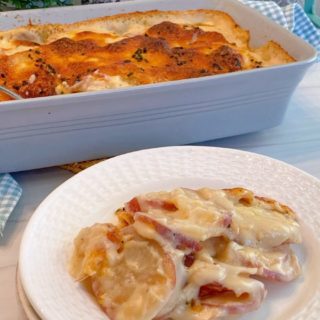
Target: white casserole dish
<point>60,129</point>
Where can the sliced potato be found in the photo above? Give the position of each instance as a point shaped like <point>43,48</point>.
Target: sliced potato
<point>94,248</point>
<point>139,284</point>
<point>279,263</point>
<point>262,222</point>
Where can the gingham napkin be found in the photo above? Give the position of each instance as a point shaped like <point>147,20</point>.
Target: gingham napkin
<point>10,193</point>
<point>291,16</point>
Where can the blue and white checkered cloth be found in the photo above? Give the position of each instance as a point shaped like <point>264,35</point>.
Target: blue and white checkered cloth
<point>288,13</point>
<point>10,193</point>
<point>290,16</point>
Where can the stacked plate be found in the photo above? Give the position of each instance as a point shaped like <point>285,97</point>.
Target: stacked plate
<point>92,196</point>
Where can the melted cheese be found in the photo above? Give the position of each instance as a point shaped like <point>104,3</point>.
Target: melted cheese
<point>177,256</point>
<point>133,49</point>
<point>188,254</point>
<point>231,277</point>
<point>92,83</point>
<point>234,278</point>
<point>200,214</point>
<point>259,226</point>
<point>93,251</point>
<point>277,264</point>
<point>139,285</point>
<point>207,213</point>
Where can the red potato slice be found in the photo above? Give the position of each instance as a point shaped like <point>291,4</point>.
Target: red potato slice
<point>176,239</point>
<point>133,205</point>
<point>144,205</point>
<point>236,214</point>
<point>139,285</point>
<point>251,216</point>
<point>197,214</point>
<point>126,215</point>
<point>94,248</point>
<point>236,293</point>
<point>187,254</point>
<point>229,303</point>
<point>218,290</point>
<point>131,277</point>
<point>280,264</point>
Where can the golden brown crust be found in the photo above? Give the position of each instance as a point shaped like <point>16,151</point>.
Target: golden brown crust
<point>140,59</point>
<point>247,197</point>
<point>121,23</point>
<point>77,167</point>
<point>272,54</point>
<point>244,196</point>
<point>124,218</point>
<point>4,97</point>
<point>134,49</point>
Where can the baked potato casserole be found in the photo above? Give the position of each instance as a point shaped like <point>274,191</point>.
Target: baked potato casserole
<point>127,50</point>
<point>188,254</point>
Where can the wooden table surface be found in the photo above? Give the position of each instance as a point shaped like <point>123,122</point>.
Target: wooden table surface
<point>296,141</point>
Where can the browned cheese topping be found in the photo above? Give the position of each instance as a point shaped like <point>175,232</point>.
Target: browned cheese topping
<point>81,60</point>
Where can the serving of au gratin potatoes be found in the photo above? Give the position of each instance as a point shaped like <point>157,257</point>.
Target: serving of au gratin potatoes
<point>127,50</point>
<point>188,254</point>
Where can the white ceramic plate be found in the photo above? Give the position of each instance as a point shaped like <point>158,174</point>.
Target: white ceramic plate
<point>93,195</point>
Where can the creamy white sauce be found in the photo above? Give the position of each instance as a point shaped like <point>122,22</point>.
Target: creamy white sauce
<point>177,257</point>
<point>138,286</point>
<point>200,214</point>
<point>187,215</point>
<point>262,227</point>
<point>32,79</point>
<point>202,273</point>
<point>280,262</point>
<point>92,83</point>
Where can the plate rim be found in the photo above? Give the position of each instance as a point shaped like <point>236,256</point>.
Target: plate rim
<point>26,305</point>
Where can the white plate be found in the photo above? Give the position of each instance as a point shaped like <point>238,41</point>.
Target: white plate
<point>93,195</point>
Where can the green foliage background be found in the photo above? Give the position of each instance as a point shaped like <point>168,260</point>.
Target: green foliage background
<point>30,4</point>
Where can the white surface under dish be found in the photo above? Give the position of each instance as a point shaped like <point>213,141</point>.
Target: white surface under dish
<point>54,130</point>
<point>94,194</point>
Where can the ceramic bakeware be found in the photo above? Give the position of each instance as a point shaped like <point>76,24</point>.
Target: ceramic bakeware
<point>54,130</point>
